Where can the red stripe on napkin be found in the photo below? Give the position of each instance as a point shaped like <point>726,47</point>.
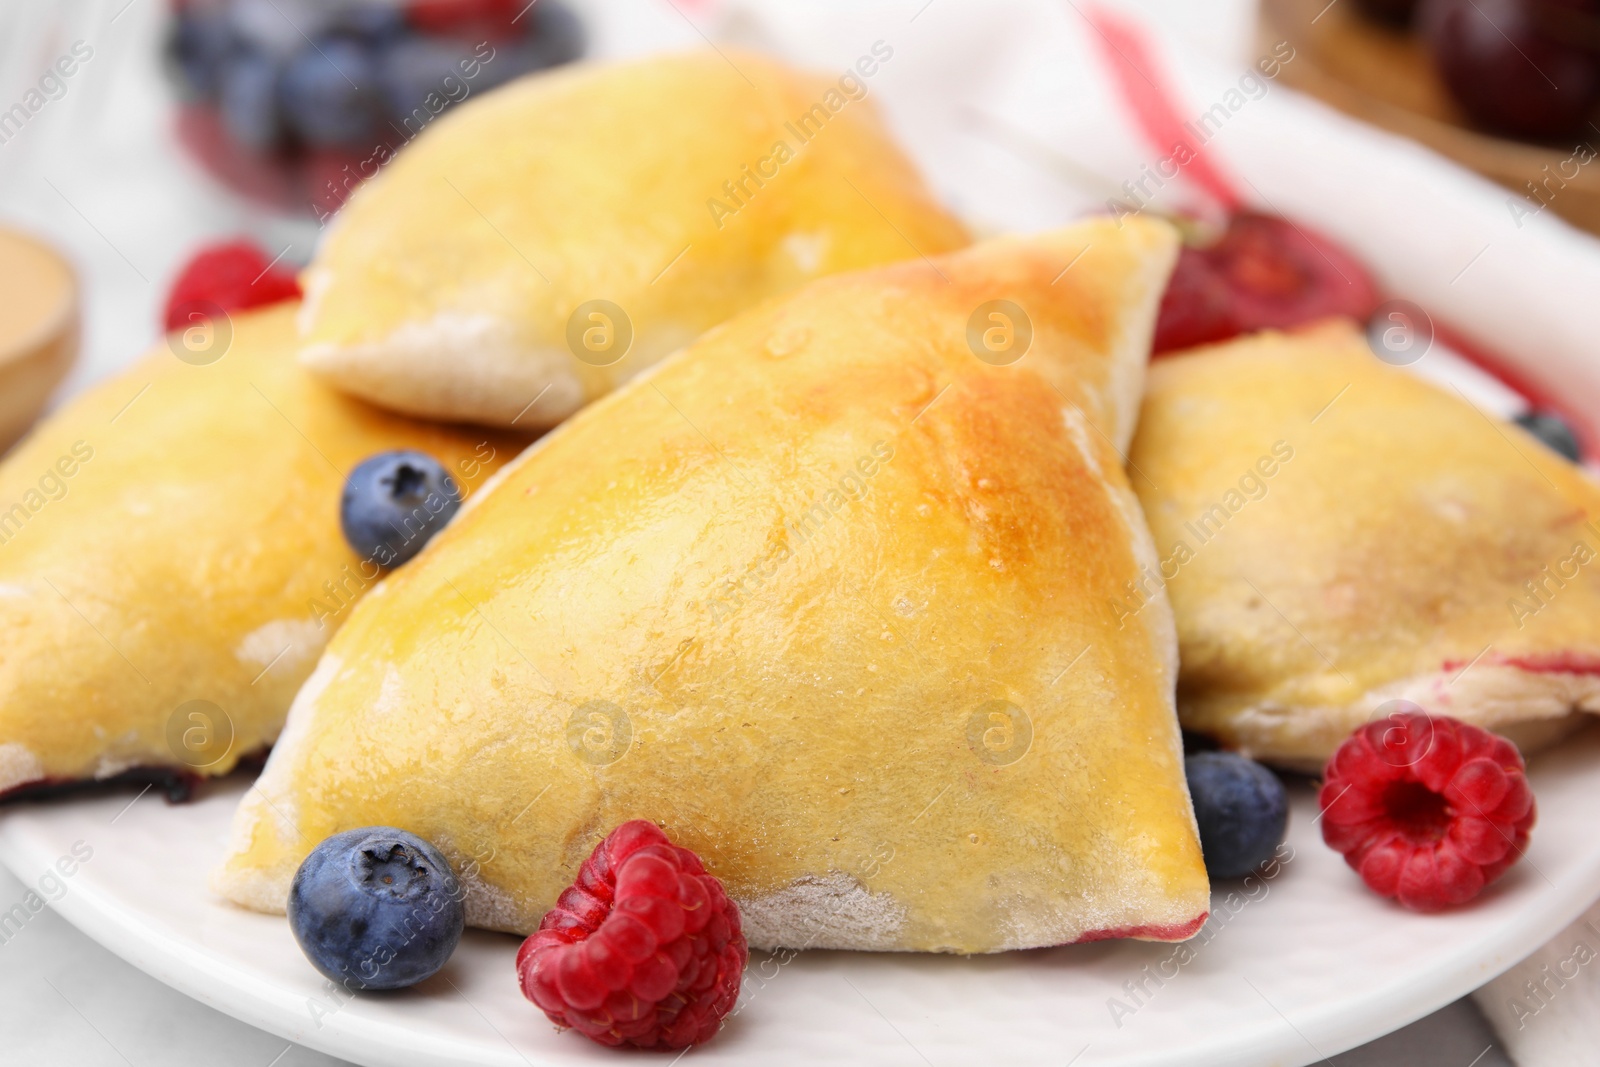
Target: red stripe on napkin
<point>1144,87</point>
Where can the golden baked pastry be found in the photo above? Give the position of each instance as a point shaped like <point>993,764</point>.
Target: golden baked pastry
<point>171,563</point>
<point>612,212</point>
<point>824,595</point>
<point>1336,534</point>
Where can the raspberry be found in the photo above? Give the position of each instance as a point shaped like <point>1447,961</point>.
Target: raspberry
<point>645,948</point>
<point>1427,809</point>
<point>463,17</point>
<point>233,275</point>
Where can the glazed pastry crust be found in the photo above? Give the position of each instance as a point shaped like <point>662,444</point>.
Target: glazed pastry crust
<point>177,524</point>
<point>445,286</point>
<point>1388,559</point>
<point>804,556</point>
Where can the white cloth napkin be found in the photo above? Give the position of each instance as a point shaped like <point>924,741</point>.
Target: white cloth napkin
<point>1546,1009</point>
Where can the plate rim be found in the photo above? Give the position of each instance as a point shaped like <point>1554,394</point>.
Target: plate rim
<point>221,984</point>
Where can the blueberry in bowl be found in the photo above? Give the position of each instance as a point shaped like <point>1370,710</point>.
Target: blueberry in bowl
<point>1528,69</point>
<point>394,502</point>
<point>376,908</point>
<point>295,102</point>
<point>327,94</point>
<point>1242,809</point>
<point>247,100</point>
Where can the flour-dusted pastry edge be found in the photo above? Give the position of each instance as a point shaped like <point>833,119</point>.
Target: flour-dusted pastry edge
<point>456,366</point>
<point>836,911</point>
<point>1532,708</point>
<point>281,644</point>
<point>833,910</point>
<point>266,888</point>
<point>19,765</point>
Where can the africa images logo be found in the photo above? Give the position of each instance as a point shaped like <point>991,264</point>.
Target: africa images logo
<point>52,86</point>
<point>52,486</point>
<point>738,191</point>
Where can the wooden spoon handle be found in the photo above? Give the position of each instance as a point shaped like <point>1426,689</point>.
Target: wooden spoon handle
<point>39,328</point>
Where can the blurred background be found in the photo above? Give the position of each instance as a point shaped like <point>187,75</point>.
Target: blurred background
<point>132,132</point>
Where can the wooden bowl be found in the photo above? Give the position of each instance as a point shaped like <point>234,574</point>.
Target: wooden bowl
<point>38,329</point>
<point>1385,77</point>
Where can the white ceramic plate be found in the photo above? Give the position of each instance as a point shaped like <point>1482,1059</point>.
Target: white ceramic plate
<point>1288,971</point>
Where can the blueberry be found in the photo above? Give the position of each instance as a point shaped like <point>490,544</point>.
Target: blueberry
<point>555,36</point>
<point>330,94</point>
<point>200,43</point>
<point>394,502</point>
<point>1242,809</point>
<point>276,27</point>
<point>411,68</point>
<point>376,908</point>
<point>1553,430</point>
<point>379,21</point>
<point>552,35</point>
<point>249,101</point>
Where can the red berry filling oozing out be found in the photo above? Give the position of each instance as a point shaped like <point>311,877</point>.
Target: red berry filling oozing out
<point>1427,809</point>
<point>1262,273</point>
<point>645,948</point>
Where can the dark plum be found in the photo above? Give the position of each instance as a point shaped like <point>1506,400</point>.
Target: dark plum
<point>1396,13</point>
<point>1508,66</point>
<point>1264,272</point>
